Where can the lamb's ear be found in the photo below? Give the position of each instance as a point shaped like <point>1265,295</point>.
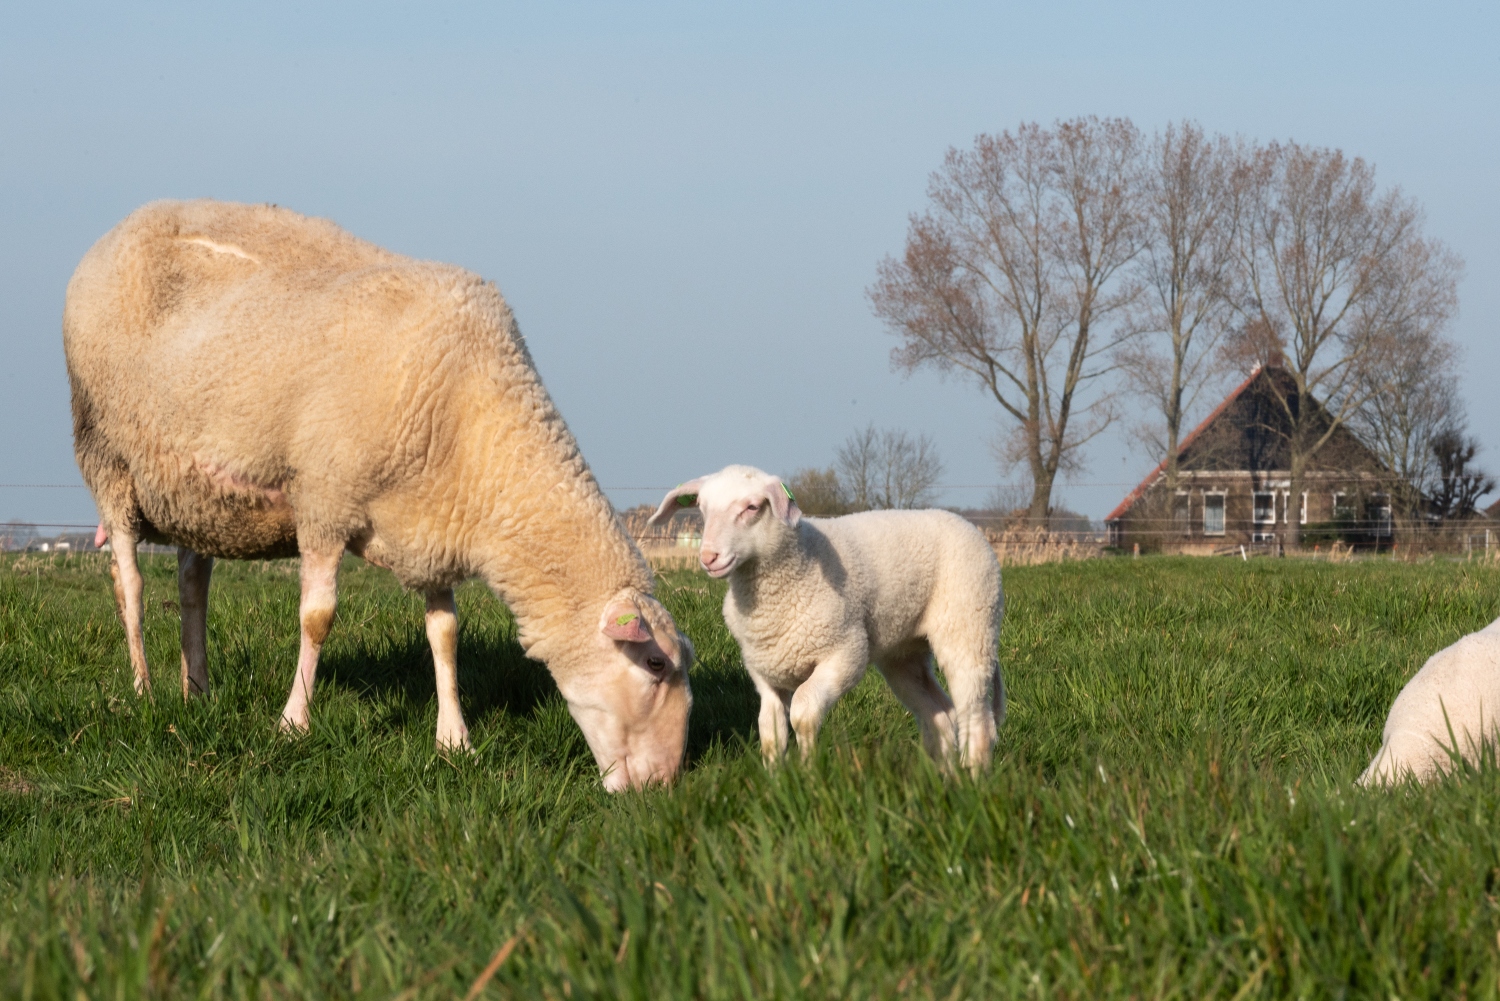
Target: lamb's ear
<point>783,503</point>
<point>622,620</point>
<point>681,496</point>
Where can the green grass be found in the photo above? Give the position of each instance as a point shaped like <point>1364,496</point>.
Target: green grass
<point>1170,812</point>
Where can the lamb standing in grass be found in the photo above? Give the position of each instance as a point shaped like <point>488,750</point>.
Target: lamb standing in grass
<point>812,602</point>
<point>248,382</point>
<point>1454,698</point>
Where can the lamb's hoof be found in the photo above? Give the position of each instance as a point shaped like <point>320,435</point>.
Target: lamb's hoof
<point>142,686</point>
<point>292,728</point>
<point>454,743</point>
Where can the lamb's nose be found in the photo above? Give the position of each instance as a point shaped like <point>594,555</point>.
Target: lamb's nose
<point>707,556</point>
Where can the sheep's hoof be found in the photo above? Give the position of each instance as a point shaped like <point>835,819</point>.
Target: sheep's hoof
<point>292,728</point>
<point>455,744</point>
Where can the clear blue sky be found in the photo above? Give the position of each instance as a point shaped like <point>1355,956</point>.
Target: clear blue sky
<point>685,203</point>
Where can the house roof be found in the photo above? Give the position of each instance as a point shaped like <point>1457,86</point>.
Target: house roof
<point>1151,477</point>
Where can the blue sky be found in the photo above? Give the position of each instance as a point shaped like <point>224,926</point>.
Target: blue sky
<point>684,203</point>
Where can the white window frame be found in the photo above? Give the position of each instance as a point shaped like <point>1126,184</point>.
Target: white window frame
<point>1341,504</point>
<point>1302,514</point>
<point>1223,506</point>
<point>1255,517</point>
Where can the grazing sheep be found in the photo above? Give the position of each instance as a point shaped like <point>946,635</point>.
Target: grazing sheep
<point>812,602</point>
<point>249,383</point>
<point>1453,699</point>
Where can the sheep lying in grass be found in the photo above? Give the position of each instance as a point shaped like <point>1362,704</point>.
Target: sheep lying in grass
<point>248,382</point>
<point>813,601</point>
<point>1453,699</point>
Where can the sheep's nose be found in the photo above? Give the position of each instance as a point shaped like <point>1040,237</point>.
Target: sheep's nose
<point>707,556</point>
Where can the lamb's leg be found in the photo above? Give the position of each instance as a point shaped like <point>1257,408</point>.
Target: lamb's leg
<point>193,574</point>
<point>442,633</point>
<point>978,691</point>
<point>774,728</point>
<point>319,600</point>
<point>829,681</point>
<point>130,588</point>
<point>909,673</point>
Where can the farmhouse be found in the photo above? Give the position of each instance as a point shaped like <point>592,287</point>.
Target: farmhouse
<point>1234,484</point>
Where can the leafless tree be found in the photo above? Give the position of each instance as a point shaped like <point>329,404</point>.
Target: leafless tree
<point>820,492</point>
<point>1011,274</point>
<point>1191,187</point>
<point>1336,272</point>
<point>888,469</point>
<point>1414,401</point>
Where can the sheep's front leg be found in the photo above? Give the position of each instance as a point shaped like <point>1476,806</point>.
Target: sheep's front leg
<point>774,729</point>
<point>442,634</point>
<point>830,680</point>
<point>130,594</point>
<point>193,574</point>
<point>319,601</point>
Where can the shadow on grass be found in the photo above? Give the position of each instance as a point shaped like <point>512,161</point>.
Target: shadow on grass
<point>495,676</point>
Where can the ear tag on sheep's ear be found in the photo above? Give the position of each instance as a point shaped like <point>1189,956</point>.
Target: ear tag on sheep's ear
<point>788,491</point>
<point>623,620</point>
<point>687,500</point>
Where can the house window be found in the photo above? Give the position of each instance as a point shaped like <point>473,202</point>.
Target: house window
<point>1213,514</point>
<point>1341,507</point>
<point>1265,508</point>
<point>1302,515</point>
<point>1380,511</point>
<point>1180,514</point>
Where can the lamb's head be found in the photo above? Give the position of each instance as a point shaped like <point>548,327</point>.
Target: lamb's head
<point>629,692</point>
<point>746,514</point>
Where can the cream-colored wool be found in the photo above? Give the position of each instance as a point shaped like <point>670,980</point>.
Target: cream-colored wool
<point>1451,704</point>
<point>814,601</point>
<point>249,382</point>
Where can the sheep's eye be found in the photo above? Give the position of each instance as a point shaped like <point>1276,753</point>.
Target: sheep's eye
<point>656,663</point>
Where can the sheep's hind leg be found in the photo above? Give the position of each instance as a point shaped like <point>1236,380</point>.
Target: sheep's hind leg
<point>442,634</point>
<point>193,575</point>
<point>773,724</point>
<point>130,588</point>
<point>829,681</point>
<point>319,601</point>
<point>909,673</point>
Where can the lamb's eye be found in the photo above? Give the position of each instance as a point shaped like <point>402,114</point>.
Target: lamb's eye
<point>656,663</point>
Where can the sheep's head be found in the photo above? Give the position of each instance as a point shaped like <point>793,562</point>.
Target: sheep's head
<point>631,696</point>
<point>745,513</point>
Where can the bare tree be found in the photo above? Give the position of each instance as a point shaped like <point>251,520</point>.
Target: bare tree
<point>1190,198</point>
<point>888,469</point>
<point>1415,400</point>
<point>1459,485</point>
<point>820,492</point>
<point>1336,272</point>
<point>1010,274</point>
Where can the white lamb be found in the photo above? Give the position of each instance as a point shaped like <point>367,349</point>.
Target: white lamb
<point>812,602</point>
<point>1453,699</point>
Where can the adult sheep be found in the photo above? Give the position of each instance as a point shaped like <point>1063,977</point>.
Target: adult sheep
<point>249,383</point>
<point>812,602</point>
<point>1451,706</point>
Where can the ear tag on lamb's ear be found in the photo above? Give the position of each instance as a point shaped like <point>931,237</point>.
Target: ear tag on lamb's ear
<point>625,620</point>
<point>686,500</point>
<point>788,491</point>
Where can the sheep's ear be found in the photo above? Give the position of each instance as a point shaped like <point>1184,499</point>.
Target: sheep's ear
<point>783,503</point>
<point>622,621</point>
<point>684,495</point>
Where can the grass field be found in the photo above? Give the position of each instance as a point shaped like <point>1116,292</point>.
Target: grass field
<point>1170,814</point>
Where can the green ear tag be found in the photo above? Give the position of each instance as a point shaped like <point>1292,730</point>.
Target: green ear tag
<point>686,500</point>
<point>788,491</point>
<point>621,620</point>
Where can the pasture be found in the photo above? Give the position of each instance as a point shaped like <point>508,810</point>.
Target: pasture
<point>1170,813</point>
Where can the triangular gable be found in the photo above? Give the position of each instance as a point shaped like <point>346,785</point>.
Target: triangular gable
<point>1151,477</point>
